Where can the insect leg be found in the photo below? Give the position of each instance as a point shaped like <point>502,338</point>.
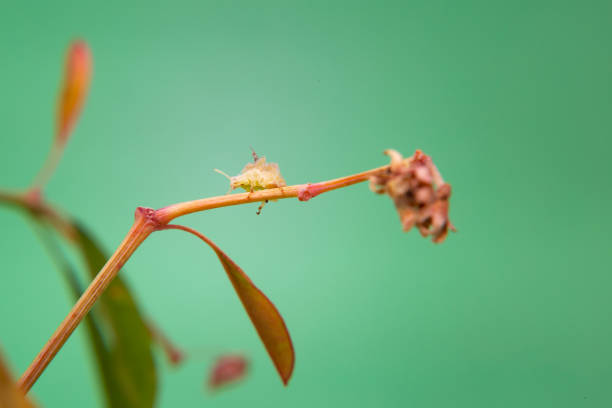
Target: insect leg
<point>261,206</point>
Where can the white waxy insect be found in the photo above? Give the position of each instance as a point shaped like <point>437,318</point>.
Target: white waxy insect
<point>255,176</point>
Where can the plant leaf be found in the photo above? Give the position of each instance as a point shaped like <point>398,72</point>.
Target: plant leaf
<point>120,338</point>
<point>128,357</point>
<point>10,395</point>
<point>114,327</point>
<point>77,75</point>
<point>227,369</point>
<point>265,317</point>
<point>94,333</point>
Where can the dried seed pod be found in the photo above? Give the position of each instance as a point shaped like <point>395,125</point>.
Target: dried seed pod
<point>419,193</point>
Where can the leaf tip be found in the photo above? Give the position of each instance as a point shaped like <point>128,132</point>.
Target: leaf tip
<point>77,75</point>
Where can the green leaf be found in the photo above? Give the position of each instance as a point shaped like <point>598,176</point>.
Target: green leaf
<point>120,339</point>
<point>265,317</point>
<point>120,336</point>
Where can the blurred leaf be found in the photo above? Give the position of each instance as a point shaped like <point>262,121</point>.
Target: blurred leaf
<point>10,395</point>
<point>174,355</point>
<point>101,354</point>
<point>228,369</point>
<point>114,326</point>
<point>120,338</point>
<point>264,315</point>
<point>77,74</point>
<point>127,359</point>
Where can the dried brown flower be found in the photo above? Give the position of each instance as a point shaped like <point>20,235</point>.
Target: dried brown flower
<point>419,193</point>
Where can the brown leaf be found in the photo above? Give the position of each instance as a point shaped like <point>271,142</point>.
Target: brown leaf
<point>264,315</point>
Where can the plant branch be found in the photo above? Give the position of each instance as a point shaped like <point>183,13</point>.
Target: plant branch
<point>141,229</point>
<point>147,221</point>
<point>303,192</point>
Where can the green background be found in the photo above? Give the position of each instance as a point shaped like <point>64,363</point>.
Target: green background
<point>513,100</point>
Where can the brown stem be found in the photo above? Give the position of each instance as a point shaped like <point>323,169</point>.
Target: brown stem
<point>301,191</point>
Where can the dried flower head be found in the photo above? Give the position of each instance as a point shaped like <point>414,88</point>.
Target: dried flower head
<point>258,175</point>
<point>419,193</point>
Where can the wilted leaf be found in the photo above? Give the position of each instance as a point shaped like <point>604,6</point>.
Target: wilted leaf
<point>264,315</point>
<point>127,357</point>
<point>10,395</point>
<point>227,370</point>
<point>74,89</point>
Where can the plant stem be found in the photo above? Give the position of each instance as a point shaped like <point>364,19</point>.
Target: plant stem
<point>148,221</point>
<point>49,166</point>
<point>141,229</point>
<point>302,191</point>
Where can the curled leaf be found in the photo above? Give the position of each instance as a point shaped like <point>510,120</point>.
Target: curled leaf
<point>265,317</point>
<point>227,369</point>
<point>74,89</point>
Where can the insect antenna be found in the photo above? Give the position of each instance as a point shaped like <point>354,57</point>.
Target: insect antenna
<point>255,156</point>
<point>228,177</point>
<point>223,173</point>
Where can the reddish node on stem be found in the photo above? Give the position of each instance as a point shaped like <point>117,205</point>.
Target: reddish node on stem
<point>309,191</point>
<point>150,215</point>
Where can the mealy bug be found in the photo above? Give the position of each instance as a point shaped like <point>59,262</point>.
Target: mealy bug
<point>258,175</point>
